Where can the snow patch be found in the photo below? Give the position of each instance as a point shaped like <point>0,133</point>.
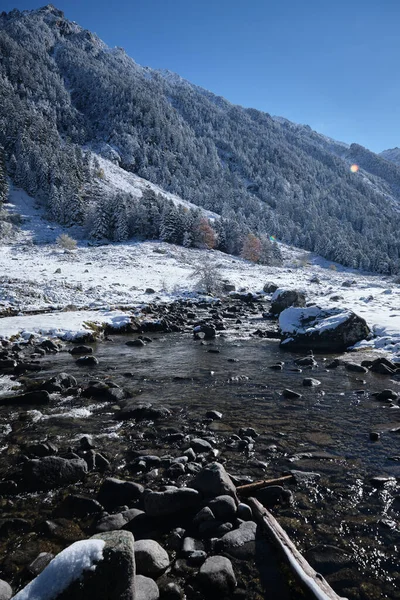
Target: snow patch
<point>64,569</point>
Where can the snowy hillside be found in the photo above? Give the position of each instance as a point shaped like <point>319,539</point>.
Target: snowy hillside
<point>105,283</point>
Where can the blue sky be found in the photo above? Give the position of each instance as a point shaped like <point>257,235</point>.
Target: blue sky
<point>331,64</point>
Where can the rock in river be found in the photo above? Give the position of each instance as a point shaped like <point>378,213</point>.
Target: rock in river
<point>322,330</point>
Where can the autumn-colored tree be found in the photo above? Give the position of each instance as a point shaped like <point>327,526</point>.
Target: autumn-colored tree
<point>251,248</point>
<point>205,236</point>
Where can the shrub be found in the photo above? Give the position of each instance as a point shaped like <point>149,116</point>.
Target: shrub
<point>66,241</point>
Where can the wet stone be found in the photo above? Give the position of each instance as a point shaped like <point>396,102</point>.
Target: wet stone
<point>291,394</point>
<point>87,361</point>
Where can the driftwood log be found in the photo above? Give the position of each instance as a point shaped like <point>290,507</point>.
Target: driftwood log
<point>249,488</point>
<point>314,586</point>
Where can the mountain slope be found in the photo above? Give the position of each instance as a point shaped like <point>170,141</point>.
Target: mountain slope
<point>65,89</point>
<point>393,154</point>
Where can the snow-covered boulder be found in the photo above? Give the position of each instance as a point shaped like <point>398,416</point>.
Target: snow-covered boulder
<point>282,299</point>
<point>321,330</point>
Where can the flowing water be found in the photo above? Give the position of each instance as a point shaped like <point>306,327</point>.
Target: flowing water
<point>325,431</point>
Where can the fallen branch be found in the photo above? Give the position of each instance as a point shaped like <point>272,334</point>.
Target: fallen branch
<point>249,488</point>
<point>312,583</point>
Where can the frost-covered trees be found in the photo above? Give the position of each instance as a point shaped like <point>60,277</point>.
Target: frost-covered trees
<point>3,177</point>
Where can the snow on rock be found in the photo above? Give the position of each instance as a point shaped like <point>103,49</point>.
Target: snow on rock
<point>64,569</point>
<point>323,330</point>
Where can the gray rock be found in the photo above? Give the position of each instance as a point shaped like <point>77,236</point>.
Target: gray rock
<point>311,382</point>
<point>81,350</point>
<point>355,368</point>
<point>200,445</point>
<point>36,397</point>
<point>87,361</point>
<point>214,481</point>
<point>205,514</point>
<point>5,590</point>
<point>118,492</point>
<point>215,415</point>
<point>244,512</point>
<point>291,394</point>
<point>239,543</point>
<point>39,564</point>
<point>191,545</point>
<point>216,576</point>
<point>170,501</point>
<point>273,494</point>
<point>146,588</point>
<point>270,288</point>
<point>282,299</point>
<point>117,521</point>
<point>78,506</point>
<point>170,590</point>
<point>140,412</point>
<point>151,559</point>
<point>52,471</point>
<point>223,507</point>
<point>328,559</point>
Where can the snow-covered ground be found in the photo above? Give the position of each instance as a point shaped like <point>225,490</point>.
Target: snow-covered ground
<point>98,283</point>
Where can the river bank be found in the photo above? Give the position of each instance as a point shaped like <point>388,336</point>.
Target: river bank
<point>149,413</point>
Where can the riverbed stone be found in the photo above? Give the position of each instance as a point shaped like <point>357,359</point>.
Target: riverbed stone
<point>170,501</point>
<point>51,472</point>
<point>282,299</point>
<point>5,590</point>
<point>118,492</point>
<point>34,397</point>
<point>75,505</point>
<point>81,350</point>
<point>87,361</point>
<point>151,559</point>
<point>200,445</point>
<point>216,576</point>
<point>223,507</point>
<point>143,411</point>
<point>146,588</point>
<point>291,394</point>
<point>214,481</point>
<point>239,543</point>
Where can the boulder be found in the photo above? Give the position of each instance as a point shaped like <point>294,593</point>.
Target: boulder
<point>282,299</point>
<point>170,501</point>
<point>102,567</point>
<point>216,576</point>
<point>321,330</point>
<point>51,472</point>
<point>214,481</point>
<point>151,559</point>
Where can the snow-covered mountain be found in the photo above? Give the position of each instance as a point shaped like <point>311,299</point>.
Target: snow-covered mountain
<point>65,93</point>
<point>392,154</point>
